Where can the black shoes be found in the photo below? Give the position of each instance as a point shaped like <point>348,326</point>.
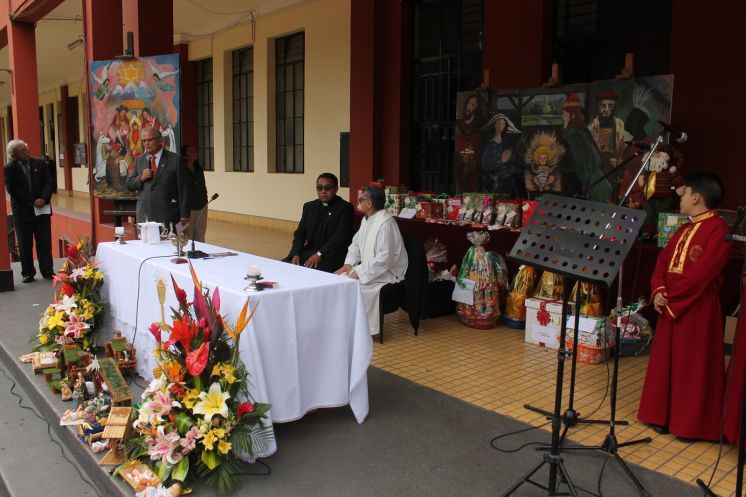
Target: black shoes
<point>661,430</point>
<point>48,276</point>
<point>28,279</point>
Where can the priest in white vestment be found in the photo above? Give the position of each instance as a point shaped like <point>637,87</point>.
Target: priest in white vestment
<point>377,255</point>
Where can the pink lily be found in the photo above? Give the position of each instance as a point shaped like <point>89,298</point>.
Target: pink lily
<point>160,405</point>
<point>75,327</point>
<point>165,447</point>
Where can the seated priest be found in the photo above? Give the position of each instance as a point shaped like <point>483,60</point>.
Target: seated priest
<point>324,230</point>
<point>377,255</point>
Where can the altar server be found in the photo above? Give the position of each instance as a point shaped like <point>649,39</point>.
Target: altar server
<point>377,255</point>
<point>683,390</point>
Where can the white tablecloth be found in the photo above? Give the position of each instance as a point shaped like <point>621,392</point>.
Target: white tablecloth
<point>307,346</point>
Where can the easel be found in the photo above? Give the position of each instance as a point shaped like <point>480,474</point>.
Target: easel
<point>582,241</point>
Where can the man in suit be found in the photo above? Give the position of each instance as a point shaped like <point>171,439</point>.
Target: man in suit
<point>30,187</point>
<point>325,228</point>
<point>163,187</point>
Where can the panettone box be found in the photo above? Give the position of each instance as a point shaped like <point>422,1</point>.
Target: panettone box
<point>543,318</point>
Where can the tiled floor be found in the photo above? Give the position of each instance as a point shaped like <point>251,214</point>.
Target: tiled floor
<point>498,371</point>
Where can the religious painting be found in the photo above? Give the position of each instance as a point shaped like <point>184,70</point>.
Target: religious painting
<point>471,116</point>
<point>561,140</point>
<point>128,95</point>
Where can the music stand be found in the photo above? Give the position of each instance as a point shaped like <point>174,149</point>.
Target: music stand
<point>582,241</point>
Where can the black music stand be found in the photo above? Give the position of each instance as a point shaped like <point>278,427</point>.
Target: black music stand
<point>582,241</point>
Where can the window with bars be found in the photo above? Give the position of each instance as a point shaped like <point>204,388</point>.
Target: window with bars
<point>243,109</point>
<point>205,134</point>
<point>289,95</point>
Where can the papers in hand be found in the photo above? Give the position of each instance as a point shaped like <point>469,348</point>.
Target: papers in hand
<point>39,211</point>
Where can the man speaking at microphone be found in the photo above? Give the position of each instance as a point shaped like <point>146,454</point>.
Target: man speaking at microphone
<point>163,186</point>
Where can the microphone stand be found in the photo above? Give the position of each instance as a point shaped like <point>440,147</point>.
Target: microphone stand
<point>626,161</point>
<point>198,254</point>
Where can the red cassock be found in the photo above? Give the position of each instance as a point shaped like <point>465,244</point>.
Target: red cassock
<point>685,379</point>
<point>734,390</point>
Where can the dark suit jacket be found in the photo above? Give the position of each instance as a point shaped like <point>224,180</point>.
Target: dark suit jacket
<point>165,198</point>
<point>333,236</point>
<point>21,198</point>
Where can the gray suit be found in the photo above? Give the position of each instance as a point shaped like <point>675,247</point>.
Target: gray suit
<point>165,198</point>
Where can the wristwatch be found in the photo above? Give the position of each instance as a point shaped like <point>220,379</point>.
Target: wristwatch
<point>318,253</point>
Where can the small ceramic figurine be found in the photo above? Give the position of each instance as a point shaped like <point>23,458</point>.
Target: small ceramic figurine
<point>65,391</point>
<point>102,404</point>
<point>69,415</point>
<point>79,391</point>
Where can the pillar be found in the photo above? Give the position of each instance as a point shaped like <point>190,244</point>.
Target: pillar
<point>152,24</point>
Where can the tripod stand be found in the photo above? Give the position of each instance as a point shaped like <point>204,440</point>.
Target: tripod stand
<point>611,444</point>
<point>582,241</point>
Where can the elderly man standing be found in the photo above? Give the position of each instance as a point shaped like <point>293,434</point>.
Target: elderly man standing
<point>163,186</point>
<point>377,255</point>
<point>30,187</point>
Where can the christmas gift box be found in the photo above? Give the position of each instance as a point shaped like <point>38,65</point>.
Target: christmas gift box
<point>410,201</point>
<point>424,209</point>
<point>595,338</point>
<point>668,223</point>
<point>453,209</point>
<point>396,189</point>
<point>508,213</point>
<point>543,321</point>
<point>438,208</point>
<point>394,203</point>
<point>527,210</point>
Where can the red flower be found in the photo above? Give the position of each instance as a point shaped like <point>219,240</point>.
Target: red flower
<point>181,294</point>
<point>67,289</point>
<point>178,391</point>
<point>244,408</point>
<point>196,361</point>
<point>182,331</point>
<point>72,252</point>
<point>155,329</point>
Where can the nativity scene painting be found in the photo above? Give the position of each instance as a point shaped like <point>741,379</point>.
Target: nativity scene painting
<point>583,139</point>
<point>128,95</point>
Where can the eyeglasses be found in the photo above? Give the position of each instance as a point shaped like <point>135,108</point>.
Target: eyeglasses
<point>364,199</point>
<point>326,188</point>
<point>146,140</point>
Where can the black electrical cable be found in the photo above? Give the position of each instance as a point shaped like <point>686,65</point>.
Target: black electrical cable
<point>137,301</point>
<point>511,433</point>
<point>265,473</point>
<point>49,431</point>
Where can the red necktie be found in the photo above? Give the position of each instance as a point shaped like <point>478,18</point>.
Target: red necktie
<point>153,165</point>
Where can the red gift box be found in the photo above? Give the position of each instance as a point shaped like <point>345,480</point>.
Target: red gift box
<point>527,210</point>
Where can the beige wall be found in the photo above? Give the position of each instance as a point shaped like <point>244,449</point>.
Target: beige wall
<point>326,24</point>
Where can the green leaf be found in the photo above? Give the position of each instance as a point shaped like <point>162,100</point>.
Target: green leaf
<point>163,470</point>
<point>211,458</point>
<point>183,423</point>
<point>180,470</point>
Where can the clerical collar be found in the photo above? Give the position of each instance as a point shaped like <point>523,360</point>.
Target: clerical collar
<point>703,216</point>
<point>325,204</point>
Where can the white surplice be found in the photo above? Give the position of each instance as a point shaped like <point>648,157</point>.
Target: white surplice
<point>378,256</point>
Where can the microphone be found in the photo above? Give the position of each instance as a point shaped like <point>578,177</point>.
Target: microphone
<point>640,145</point>
<point>198,254</point>
<point>679,136</point>
<point>731,235</point>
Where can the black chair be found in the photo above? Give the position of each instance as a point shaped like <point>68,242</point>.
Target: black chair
<point>410,292</point>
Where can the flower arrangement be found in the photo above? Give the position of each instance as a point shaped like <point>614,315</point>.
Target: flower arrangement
<point>197,414</point>
<point>78,307</point>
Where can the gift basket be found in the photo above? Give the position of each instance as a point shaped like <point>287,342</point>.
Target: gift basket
<point>636,333</point>
<point>515,305</point>
<point>484,311</point>
<point>551,286</point>
<point>500,267</point>
<point>590,299</point>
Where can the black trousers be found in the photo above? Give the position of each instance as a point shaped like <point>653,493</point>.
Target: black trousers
<point>41,230</point>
